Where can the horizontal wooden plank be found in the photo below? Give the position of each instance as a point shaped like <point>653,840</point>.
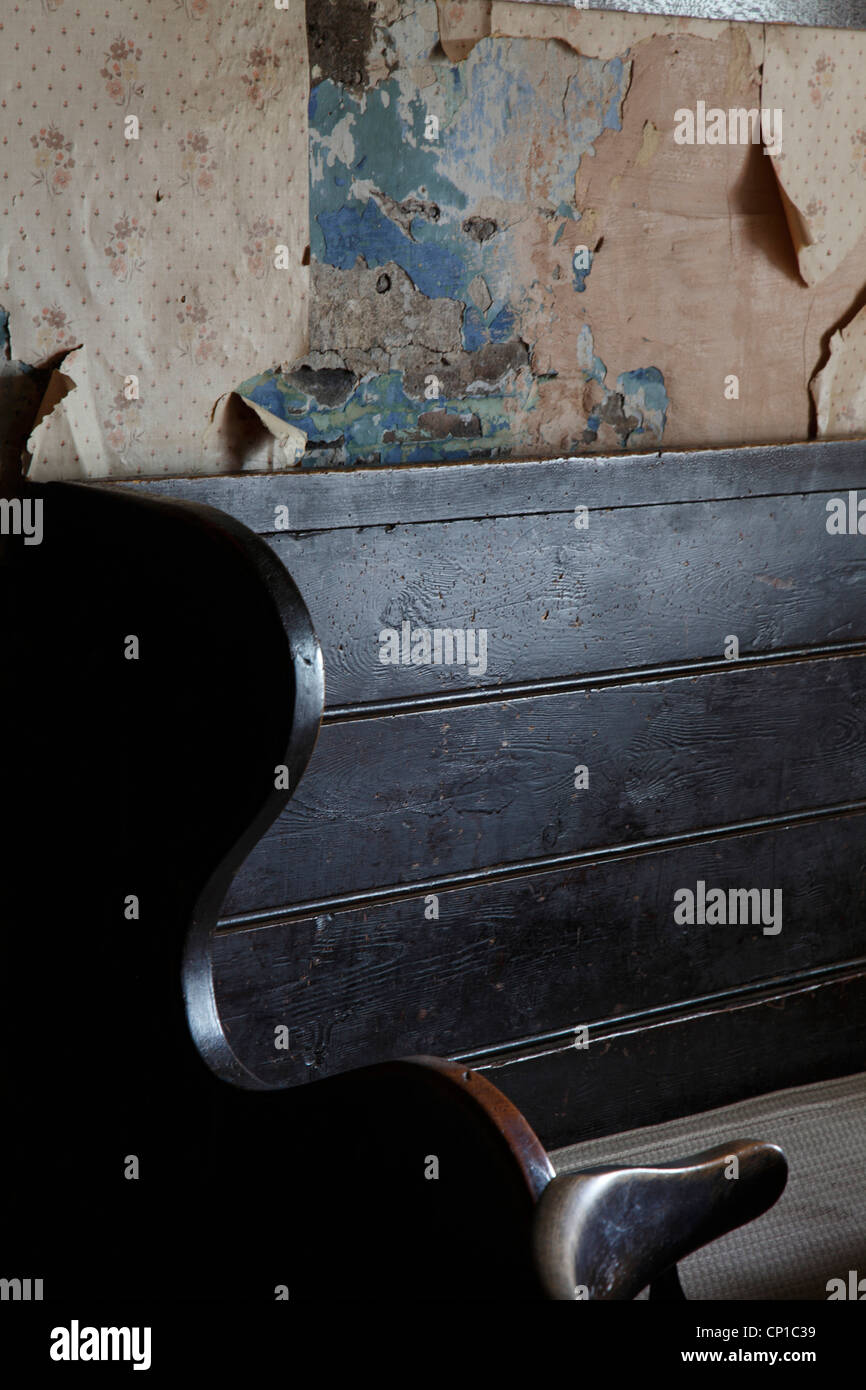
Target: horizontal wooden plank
<point>694,1061</point>
<point>542,953</point>
<point>400,798</point>
<point>639,587</point>
<point>319,499</point>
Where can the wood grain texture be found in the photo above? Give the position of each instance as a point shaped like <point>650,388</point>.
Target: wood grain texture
<point>171,766</point>
<point>539,954</point>
<point>555,905</point>
<point>694,1061</point>
<point>320,500</point>
<point>632,590</point>
<point>405,798</point>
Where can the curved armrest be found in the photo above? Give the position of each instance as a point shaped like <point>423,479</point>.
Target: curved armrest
<point>609,1232</point>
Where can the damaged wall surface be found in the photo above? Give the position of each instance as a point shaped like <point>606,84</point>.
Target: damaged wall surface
<point>443,231</point>
<point>142,210</point>
<point>508,252</point>
<point>541,267</point>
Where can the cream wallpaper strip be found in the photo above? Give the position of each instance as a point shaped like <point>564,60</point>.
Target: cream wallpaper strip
<point>462,24</point>
<point>839,391</point>
<point>817,77</point>
<point>154,204</point>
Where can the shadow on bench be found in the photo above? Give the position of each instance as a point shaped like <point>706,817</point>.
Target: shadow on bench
<point>167,695</point>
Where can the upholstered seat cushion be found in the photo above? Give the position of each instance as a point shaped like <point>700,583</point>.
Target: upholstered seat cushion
<point>816,1231</point>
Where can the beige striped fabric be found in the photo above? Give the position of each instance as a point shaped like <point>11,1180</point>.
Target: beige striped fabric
<point>817,1229</point>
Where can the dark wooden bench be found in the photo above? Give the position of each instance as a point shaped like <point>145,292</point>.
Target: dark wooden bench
<point>605,648</point>
<point>482,861</point>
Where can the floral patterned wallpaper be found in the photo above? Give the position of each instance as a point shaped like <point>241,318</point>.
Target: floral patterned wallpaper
<point>154,214</point>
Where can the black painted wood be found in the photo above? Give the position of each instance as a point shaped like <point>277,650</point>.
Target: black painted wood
<point>134,795</point>
<point>400,798</point>
<point>536,954</point>
<point>555,905</point>
<point>635,589</point>
<point>696,1059</point>
<point>321,500</point>
<point>605,647</point>
<point>161,778</point>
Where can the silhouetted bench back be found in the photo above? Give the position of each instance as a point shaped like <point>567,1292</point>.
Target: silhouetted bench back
<point>569,704</point>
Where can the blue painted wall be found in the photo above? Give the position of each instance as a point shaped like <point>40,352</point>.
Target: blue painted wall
<point>456,173</point>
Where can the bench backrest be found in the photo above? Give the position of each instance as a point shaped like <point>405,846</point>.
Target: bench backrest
<point>561,696</point>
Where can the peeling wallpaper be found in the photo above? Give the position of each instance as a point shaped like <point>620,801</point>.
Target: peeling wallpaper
<point>429,195</point>
<point>505,251</point>
<point>151,249</point>
<point>511,256</point>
